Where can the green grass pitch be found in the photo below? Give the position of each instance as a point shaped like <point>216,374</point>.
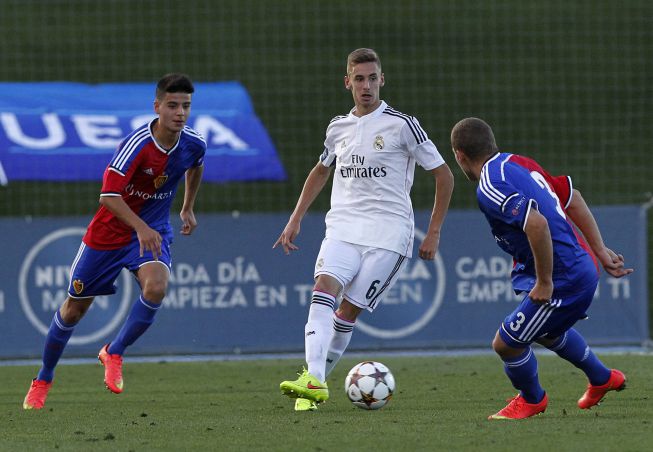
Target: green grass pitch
<point>441,403</point>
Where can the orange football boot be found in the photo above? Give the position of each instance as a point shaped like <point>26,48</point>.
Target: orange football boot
<point>38,392</point>
<point>594,394</point>
<point>112,370</point>
<point>519,408</point>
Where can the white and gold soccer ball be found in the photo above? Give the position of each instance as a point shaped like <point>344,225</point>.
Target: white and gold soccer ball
<point>370,385</point>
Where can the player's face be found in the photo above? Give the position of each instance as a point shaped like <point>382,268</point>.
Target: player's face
<point>365,81</point>
<point>173,111</point>
<point>464,165</point>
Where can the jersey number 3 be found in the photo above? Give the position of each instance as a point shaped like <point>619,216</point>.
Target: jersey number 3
<point>520,319</point>
<point>541,181</point>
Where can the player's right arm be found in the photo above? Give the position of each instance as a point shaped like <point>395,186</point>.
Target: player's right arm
<point>580,214</point>
<point>313,185</point>
<point>124,163</point>
<point>148,238</point>
<point>539,238</point>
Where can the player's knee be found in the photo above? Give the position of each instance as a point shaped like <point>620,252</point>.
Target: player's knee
<point>328,284</point>
<point>348,311</point>
<point>155,291</point>
<point>499,346</point>
<point>504,350</point>
<point>73,310</point>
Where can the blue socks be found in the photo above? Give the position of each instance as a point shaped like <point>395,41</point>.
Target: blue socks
<point>139,320</point>
<point>522,371</point>
<point>572,347</point>
<point>55,343</point>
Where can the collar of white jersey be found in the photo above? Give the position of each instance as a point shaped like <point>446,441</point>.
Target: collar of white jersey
<point>379,110</point>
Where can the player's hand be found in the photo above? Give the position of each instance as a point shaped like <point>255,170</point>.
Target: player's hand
<point>288,236</point>
<point>613,263</point>
<point>188,222</point>
<point>149,240</point>
<point>541,293</point>
<point>429,247</point>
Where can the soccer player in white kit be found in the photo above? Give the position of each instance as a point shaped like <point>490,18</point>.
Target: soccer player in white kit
<point>370,226</point>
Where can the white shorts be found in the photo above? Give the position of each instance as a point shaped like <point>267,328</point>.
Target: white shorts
<point>365,273</point>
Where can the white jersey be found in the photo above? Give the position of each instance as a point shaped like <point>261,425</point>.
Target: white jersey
<point>374,158</point>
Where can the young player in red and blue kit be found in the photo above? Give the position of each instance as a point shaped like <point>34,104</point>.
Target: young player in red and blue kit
<point>533,216</point>
<point>131,230</point>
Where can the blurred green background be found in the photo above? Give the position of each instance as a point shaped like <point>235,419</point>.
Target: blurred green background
<point>566,82</point>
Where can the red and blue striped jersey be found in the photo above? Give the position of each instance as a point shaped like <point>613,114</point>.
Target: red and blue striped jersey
<point>146,176</point>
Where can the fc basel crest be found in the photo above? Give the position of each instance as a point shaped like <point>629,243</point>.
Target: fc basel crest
<point>160,180</point>
<point>378,143</point>
<point>78,286</point>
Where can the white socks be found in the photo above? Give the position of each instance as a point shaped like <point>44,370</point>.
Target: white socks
<point>342,331</point>
<point>318,332</point>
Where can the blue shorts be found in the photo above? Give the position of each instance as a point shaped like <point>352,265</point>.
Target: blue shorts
<point>530,321</point>
<point>94,271</point>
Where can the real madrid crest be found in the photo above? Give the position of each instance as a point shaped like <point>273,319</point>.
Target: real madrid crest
<point>378,143</point>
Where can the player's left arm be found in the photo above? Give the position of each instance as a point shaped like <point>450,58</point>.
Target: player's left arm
<point>539,238</point>
<point>444,182</point>
<point>580,214</point>
<point>426,154</point>
<point>187,215</point>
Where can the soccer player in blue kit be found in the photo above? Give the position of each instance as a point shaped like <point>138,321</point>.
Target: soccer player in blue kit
<point>132,230</point>
<point>532,216</point>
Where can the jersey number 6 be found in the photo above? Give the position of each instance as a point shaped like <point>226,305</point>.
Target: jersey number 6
<point>372,290</point>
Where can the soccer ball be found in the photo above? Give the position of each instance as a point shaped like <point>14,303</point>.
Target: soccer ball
<point>369,385</point>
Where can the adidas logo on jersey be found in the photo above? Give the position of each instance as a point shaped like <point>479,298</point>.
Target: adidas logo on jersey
<point>149,171</point>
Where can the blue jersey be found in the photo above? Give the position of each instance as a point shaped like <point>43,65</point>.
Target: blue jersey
<point>510,187</point>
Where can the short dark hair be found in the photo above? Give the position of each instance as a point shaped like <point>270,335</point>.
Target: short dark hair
<point>474,138</point>
<point>174,83</point>
<point>362,55</point>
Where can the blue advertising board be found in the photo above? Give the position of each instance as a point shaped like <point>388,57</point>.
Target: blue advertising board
<point>72,129</point>
<point>230,292</point>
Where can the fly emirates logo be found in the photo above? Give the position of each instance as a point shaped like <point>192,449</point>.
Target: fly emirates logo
<point>358,168</point>
<point>132,191</point>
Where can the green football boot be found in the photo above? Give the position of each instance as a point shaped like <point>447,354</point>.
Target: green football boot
<point>305,405</point>
<point>306,387</point>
